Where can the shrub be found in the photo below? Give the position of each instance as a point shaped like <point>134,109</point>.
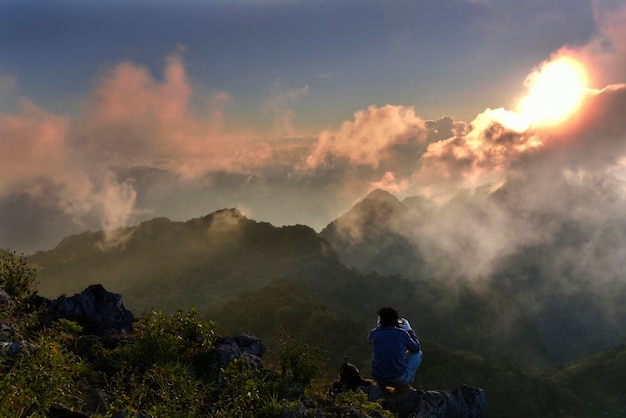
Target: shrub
<point>167,338</point>
<point>163,390</point>
<point>16,276</point>
<point>43,374</point>
<point>358,400</point>
<point>300,360</point>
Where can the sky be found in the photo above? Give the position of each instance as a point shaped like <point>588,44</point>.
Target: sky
<point>114,112</point>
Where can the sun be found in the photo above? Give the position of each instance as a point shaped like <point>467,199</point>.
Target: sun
<point>555,91</point>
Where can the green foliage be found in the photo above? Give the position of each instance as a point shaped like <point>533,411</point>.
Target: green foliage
<point>239,394</point>
<point>246,392</point>
<point>166,338</point>
<point>288,307</point>
<point>358,400</point>
<point>45,373</point>
<point>66,327</point>
<point>165,389</point>
<point>152,373</point>
<point>16,276</point>
<point>300,360</point>
<point>599,379</point>
<point>172,264</point>
<point>510,391</point>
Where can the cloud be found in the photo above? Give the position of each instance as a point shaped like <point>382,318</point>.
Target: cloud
<point>133,120</point>
<point>130,119</point>
<point>369,138</point>
<point>142,138</point>
<point>605,54</point>
<point>503,182</point>
<point>279,105</point>
<point>33,145</point>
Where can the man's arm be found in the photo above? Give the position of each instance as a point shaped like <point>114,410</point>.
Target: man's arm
<point>412,343</point>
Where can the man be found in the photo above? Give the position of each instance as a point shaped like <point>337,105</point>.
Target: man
<point>396,351</point>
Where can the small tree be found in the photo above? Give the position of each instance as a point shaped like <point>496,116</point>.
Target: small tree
<point>16,276</point>
<point>300,360</point>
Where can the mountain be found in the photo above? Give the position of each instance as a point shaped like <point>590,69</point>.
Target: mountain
<point>560,263</point>
<point>224,263</point>
<point>165,265</point>
<point>598,380</point>
<point>483,272</point>
<point>366,237</point>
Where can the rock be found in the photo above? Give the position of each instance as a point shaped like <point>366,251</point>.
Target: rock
<point>5,299</point>
<point>249,344</point>
<point>464,402</point>
<point>245,347</point>
<point>98,311</point>
<point>227,349</point>
<point>299,411</point>
<point>13,348</point>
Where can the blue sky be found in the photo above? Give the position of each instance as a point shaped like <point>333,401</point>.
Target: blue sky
<point>452,57</point>
<point>112,112</point>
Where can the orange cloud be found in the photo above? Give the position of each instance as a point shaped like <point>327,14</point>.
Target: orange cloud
<point>368,138</point>
<point>33,146</point>
<point>130,119</point>
<point>133,119</point>
<point>391,183</point>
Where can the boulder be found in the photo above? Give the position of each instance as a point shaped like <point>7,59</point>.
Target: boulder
<point>245,347</point>
<point>97,310</point>
<point>463,402</point>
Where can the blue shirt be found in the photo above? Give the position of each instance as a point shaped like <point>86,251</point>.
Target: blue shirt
<point>389,347</point>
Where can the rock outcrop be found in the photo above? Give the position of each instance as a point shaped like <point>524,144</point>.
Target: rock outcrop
<point>97,310</point>
<point>463,402</point>
<point>245,347</point>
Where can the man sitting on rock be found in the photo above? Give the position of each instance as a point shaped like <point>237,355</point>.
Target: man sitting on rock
<point>396,351</point>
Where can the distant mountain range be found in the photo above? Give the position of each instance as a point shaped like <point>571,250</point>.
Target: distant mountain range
<point>543,293</point>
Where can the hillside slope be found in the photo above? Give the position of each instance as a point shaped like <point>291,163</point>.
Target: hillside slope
<point>165,264</point>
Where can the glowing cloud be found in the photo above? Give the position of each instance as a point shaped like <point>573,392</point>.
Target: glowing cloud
<point>130,119</point>
<point>33,147</point>
<point>555,91</point>
<point>369,137</point>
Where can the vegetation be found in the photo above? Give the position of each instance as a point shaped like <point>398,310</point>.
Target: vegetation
<point>160,370</point>
<point>17,278</point>
<point>288,287</point>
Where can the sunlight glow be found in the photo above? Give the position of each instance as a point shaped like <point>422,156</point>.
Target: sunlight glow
<point>555,92</point>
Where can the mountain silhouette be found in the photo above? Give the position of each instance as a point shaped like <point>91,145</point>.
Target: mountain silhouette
<point>366,237</point>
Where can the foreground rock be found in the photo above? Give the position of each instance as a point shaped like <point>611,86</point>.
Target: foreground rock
<point>245,347</point>
<point>97,310</point>
<point>464,402</point>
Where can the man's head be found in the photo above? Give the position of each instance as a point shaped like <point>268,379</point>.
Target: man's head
<point>388,316</point>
